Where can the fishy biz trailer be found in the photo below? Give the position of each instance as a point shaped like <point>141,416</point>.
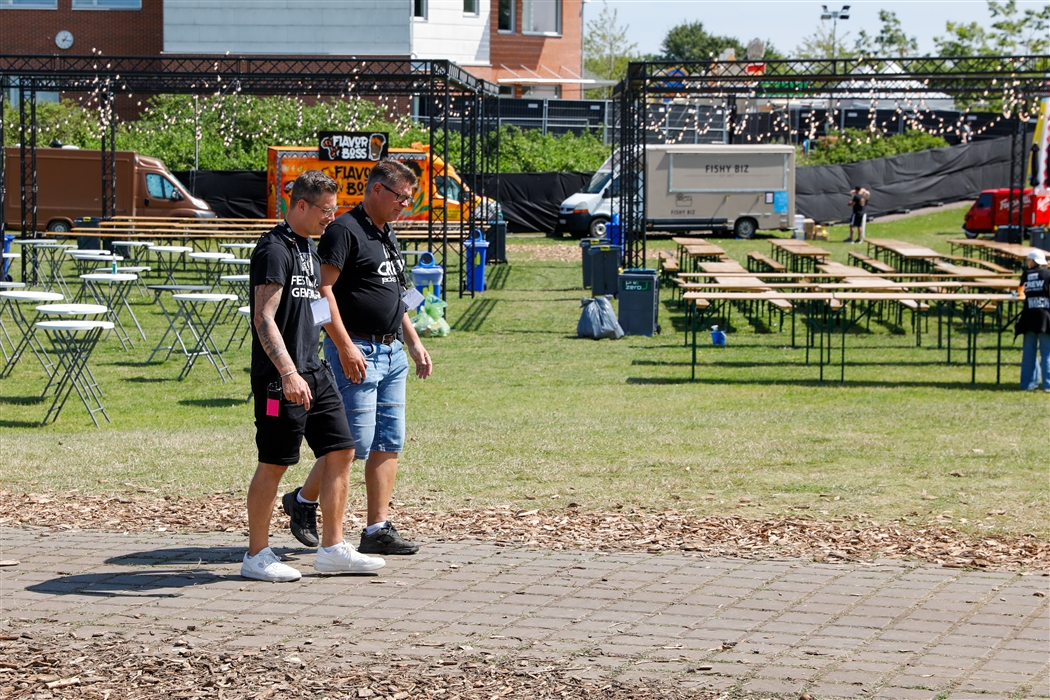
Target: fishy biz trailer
<point>714,187</point>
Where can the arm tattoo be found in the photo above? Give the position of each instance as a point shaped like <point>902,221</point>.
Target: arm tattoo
<point>267,299</point>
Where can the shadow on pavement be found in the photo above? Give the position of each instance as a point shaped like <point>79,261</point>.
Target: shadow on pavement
<point>154,582</point>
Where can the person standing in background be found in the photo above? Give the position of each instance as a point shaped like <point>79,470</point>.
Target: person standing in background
<point>858,201</point>
<point>1035,323</point>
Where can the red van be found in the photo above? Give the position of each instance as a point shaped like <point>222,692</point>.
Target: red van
<point>992,210</point>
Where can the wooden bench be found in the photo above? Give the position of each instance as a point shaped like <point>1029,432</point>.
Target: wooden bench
<point>757,262</point>
<point>870,263</point>
<point>974,262</point>
<point>668,262</point>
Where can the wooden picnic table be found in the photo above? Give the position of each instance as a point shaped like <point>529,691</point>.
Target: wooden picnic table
<point>692,251</point>
<point>722,267</point>
<point>830,309</point>
<point>1013,253</point>
<point>907,257</point>
<point>798,256</point>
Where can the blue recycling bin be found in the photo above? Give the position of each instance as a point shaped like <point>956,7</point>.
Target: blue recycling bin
<point>7,249</point>
<point>614,231</point>
<point>427,276</point>
<point>477,251</point>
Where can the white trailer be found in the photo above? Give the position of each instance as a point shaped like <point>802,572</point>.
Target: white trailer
<point>716,187</point>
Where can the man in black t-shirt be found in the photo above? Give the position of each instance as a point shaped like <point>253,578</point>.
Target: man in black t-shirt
<point>295,394</point>
<point>363,276</point>
<point>858,201</point>
<point>1034,323</point>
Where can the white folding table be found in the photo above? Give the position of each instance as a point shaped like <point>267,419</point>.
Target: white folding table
<point>73,343</point>
<point>201,313</point>
<point>11,301</point>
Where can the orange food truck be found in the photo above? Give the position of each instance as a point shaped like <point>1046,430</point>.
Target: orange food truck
<point>348,158</point>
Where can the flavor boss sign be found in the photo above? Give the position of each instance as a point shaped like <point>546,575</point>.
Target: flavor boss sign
<point>352,145</point>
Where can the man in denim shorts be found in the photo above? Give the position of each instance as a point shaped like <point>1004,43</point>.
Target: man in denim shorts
<point>295,394</point>
<point>363,277</point>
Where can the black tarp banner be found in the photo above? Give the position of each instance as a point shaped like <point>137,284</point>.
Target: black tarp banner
<point>530,201</point>
<point>903,182</point>
<point>230,193</point>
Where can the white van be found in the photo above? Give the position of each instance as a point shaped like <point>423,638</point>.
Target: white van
<point>588,212</point>
<point>697,187</point>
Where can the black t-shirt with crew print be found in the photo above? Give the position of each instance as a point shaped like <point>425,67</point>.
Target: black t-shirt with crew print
<point>371,271</point>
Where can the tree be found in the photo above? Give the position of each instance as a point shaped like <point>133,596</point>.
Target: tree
<point>822,44</point>
<point>891,41</point>
<point>691,42</point>
<point>606,50</point>
<point>1012,33</point>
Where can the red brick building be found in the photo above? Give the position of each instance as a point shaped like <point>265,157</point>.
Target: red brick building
<point>76,27</point>
<point>532,47</point>
<point>536,48</point>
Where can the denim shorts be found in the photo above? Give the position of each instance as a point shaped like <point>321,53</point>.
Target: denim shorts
<point>375,408</point>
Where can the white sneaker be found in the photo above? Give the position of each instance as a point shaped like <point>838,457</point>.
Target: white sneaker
<point>265,566</point>
<point>345,559</point>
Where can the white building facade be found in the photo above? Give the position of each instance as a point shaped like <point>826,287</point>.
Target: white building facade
<point>454,30</point>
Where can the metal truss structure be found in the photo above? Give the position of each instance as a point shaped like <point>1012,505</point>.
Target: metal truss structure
<point>463,111</point>
<point>1013,82</point>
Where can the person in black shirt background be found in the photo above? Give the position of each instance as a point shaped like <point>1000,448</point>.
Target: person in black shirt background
<point>363,276</point>
<point>1034,323</point>
<point>295,394</point>
<point>858,201</point>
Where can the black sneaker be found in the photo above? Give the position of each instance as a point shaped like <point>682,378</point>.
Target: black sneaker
<point>304,518</point>
<point>386,540</point>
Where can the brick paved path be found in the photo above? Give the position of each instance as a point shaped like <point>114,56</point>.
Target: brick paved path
<point>888,630</point>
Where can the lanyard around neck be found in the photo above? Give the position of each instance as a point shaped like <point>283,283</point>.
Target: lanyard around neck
<point>306,264</point>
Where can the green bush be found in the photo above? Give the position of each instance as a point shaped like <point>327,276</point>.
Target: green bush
<point>854,145</point>
<point>235,130</point>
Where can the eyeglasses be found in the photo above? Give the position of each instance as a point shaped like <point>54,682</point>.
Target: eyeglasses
<point>402,199</point>
<point>326,212</point>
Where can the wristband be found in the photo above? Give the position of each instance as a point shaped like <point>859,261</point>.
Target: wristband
<point>288,374</point>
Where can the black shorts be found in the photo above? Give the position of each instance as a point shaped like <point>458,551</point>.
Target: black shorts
<point>324,426</point>
<point>857,219</point>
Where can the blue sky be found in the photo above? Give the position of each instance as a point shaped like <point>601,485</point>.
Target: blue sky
<point>785,22</point>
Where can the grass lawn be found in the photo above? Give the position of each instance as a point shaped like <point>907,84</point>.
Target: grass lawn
<point>519,411</point>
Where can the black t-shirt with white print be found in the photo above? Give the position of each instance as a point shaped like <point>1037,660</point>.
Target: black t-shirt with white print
<point>368,291</point>
<point>285,258</point>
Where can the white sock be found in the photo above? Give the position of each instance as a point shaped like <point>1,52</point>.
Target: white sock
<point>331,549</point>
<point>374,528</point>
<point>299,497</point>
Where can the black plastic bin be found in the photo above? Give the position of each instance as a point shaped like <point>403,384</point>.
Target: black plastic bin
<point>585,245</point>
<point>605,267</point>
<point>639,297</point>
<point>1009,234</point>
<point>496,235</point>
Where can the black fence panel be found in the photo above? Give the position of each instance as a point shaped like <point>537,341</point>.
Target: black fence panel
<point>904,182</point>
<point>530,201</point>
<point>230,193</point>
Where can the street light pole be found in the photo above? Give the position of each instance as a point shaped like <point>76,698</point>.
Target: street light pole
<point>834,16</point>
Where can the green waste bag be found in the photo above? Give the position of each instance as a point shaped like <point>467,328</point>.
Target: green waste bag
<point>430,322</point>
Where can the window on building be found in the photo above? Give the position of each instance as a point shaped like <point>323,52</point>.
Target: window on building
<point>419,8</point>
<point>506,15</point>
<point>541,16</point>
<point>29,4</point>
<point>541,91</point>
<point>470,7</point>
<point>107,4</point>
